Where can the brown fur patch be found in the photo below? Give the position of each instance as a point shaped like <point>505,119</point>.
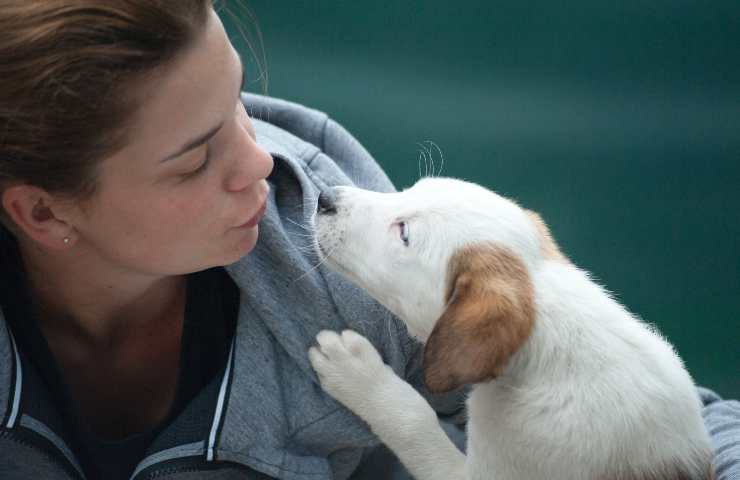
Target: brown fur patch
<point>549,248</point>
<point>490,313</point>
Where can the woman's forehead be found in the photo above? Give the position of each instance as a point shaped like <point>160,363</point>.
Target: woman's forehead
<point>188,96</point>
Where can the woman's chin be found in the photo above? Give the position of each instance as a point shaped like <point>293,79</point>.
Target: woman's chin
<point>240,241</point>
<point>245,243</point>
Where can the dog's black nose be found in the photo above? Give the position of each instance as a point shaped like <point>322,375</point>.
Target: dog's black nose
<point>327,205</point>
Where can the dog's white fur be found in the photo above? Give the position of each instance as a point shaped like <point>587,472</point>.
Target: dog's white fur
<point>590,392</point>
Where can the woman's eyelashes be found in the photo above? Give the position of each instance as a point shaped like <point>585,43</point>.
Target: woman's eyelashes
<point>202,166</point>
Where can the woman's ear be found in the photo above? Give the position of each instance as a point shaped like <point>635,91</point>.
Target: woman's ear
<point>489,315</point>
<point>37,215</point>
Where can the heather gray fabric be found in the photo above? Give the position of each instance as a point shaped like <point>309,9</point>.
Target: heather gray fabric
<point>44,431</point>
<point>299,431</point>
<point>723,423</point>
<point>19,461</point>
<point>273,416</point>
<point>226,473</point>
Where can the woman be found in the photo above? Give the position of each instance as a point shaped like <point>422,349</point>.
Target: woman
<point>144,331</point>
<point>130,175</point>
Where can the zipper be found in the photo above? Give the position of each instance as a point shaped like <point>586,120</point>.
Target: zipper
<point>198,463</point>
<point>179,466</point>
<point>171,467</point>
<point>36,442</point>
<point>166,472</point>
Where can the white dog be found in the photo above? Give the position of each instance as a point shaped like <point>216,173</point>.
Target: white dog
<point>568,385</point>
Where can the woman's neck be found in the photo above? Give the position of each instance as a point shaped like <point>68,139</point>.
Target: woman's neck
<point>98,304</point>
<point>113,334</point>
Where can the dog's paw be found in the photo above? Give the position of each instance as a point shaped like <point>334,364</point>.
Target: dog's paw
<point>349,367</point>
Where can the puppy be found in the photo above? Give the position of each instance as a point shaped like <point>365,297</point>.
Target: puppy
<point>567,384</point>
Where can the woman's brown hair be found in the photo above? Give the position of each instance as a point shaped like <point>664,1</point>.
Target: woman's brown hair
<point>68,69</point>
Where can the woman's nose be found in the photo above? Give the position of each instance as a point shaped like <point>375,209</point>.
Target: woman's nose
<point>251,164</point>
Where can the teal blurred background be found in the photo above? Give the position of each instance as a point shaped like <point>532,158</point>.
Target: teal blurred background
<point>618,121</point>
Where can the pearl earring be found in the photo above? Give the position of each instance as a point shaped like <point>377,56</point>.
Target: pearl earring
<point>66,240</point>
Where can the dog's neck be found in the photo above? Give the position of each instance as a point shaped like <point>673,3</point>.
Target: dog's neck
<point>571,311</point>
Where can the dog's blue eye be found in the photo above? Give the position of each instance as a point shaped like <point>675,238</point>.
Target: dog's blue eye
<point>404,228</point>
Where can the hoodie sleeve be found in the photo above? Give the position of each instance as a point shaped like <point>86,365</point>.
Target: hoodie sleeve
<point>722,418</point>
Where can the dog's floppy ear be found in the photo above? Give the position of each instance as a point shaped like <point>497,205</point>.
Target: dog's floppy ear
<point>489,315</point>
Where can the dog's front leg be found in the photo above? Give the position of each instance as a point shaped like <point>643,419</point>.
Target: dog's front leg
<point>351,370</point>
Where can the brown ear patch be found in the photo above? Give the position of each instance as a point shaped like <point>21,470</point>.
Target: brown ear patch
<point>489,315</point>
<point>548,247</point>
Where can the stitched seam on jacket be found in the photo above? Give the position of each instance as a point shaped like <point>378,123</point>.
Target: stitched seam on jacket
<point>258,460</point>
<point>323,133</point>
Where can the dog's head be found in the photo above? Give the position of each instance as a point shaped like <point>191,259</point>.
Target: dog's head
<point>450,258</point>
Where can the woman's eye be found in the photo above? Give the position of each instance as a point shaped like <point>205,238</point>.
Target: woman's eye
<point>202,166</point>
<point>404,231</point>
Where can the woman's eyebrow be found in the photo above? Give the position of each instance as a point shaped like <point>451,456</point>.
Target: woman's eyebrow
<point>194,143</point>
<point>201,139</point>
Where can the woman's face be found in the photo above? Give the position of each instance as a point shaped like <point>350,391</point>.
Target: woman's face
<point>186,192</point>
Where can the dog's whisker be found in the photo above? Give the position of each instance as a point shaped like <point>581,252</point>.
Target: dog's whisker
<point>423,157</point>
<point>307,228</point>
<point>307,237</point>
<point>310,270</point>
<point>296,223</point>
<point>418,164</point>
<point>419,159</point>
<point>306,234</point>
<point>308,251</point>
<point>430,164</point>
<point>426,163</point>
<point>308,242</point>
<point>311,246</point>
<point>428,160</point>
<point>441,157</point>
<point>428,145</point>
<point>431,159</point>
<point>307,272</point>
